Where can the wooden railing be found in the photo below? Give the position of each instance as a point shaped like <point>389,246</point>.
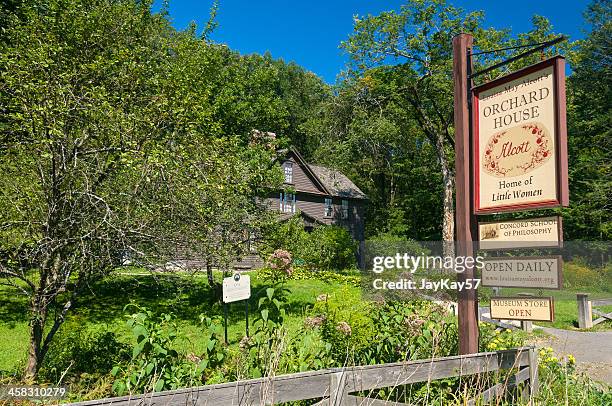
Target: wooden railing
<point>586,309</point>
<point>352,385</point>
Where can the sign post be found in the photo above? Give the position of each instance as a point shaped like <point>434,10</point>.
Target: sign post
<point>236,288</point>
<point>510,155</point>
<point>465,222</point>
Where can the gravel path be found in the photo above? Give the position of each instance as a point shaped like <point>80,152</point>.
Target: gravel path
<point>593,350</point>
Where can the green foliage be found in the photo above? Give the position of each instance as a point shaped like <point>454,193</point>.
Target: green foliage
<point>409,332</point>
<point>261,352</point>
<point>370,333</point>
<point>589,131</point>
<point>155,364</point>
<point>329,248</point>
<point>325,248</point>
<point>579,275</point>
<point>345,324</point>
<point>215,351</point>
<point>302,273</point>
<point>560,383</point>
<point>77,352</point>
<point>387,244</point>
<point>492,338</point>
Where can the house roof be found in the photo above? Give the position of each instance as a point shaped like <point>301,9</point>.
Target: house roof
<point>337,184</point>
<point>330,181</point>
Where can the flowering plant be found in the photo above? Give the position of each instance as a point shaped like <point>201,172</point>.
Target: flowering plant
<point>280,262</point>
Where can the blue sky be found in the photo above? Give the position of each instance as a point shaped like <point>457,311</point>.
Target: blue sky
<point>309,32</point>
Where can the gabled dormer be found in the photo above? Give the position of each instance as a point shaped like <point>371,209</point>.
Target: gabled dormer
<point>300,177</point>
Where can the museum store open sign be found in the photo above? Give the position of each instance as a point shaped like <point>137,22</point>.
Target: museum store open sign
<point>520,140</point>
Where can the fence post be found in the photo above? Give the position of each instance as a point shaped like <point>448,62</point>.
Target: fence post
<point>533,373</point>
<point>527,326</point>
<point>337,389</point>
<point>585,318</point>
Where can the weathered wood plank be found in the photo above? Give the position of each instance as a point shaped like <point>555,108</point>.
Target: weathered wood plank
<point>601,302</point>
<point>602,314</point>
<point>335,383</point>
<point>494,392</point>
<point>391,375</point>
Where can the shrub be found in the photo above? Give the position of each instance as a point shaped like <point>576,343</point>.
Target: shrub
<point>76,351</point>
<point>411,330</point>
<point>385,244</point>
<point>155,364</point>
<point>330,248</point>
<point>346,324</point>
<point>301,273</point>
<point>494,339</point>
<point>326,248</point>
<point>577,275</point>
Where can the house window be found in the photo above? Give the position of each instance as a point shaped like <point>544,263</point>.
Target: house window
<point>288,172</point>
<point>328,207</point>
<point>287,202</point>
<point>345,209</point>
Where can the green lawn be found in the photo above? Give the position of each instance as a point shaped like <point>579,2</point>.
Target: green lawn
<point>188,296</point>
<point>185,296</point>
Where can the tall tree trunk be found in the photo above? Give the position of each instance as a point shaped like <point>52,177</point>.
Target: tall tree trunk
<point>209,274</point>
<point>448,207</point>
<point>448,220</point>
<point>37,326</point>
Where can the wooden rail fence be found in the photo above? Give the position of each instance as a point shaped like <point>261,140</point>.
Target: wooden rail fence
<point>586,309</point>
<point>346,386</point>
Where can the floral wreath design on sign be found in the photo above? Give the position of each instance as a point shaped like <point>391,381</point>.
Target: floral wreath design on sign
<point>518,150</point>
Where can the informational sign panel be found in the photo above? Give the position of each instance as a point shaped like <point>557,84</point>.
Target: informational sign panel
<point>520,140</point>
<point>237,287</point>
<point>522,308</point>
<point>523,272</point>
<point>537,232</point>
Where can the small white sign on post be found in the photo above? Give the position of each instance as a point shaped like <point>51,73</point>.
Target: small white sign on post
<point>236,287</point>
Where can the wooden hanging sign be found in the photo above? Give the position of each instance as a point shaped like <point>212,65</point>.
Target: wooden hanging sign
<point>520,140</point>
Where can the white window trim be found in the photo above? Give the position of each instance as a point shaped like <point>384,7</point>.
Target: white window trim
<point>328,209</point>
<point>345,209</point>
<point>288,169</point>
<point>287,202</point>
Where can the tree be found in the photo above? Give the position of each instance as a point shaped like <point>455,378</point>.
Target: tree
<point>415,44</point>
<point>590,152</point>
<point>365,132</point>
<point>111,150</point>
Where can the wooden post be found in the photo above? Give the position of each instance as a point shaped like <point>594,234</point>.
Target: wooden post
<point>533,374</point>
<point>585,318</point>
<point>464,218</point>
<point>526,325</point>
<point>337,386</point>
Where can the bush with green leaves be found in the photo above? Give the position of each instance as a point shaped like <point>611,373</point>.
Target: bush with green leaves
<point>301,273</point>
<point>261,352</point>
<point>77,351</point>
<point>330,248</point>
<point>370,333</point>
<point>345,324</point>
<point>155,364</point>
<point>325,248</point>
<point>492,338</point>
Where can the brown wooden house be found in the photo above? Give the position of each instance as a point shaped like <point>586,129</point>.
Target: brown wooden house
<point>321,196</point>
